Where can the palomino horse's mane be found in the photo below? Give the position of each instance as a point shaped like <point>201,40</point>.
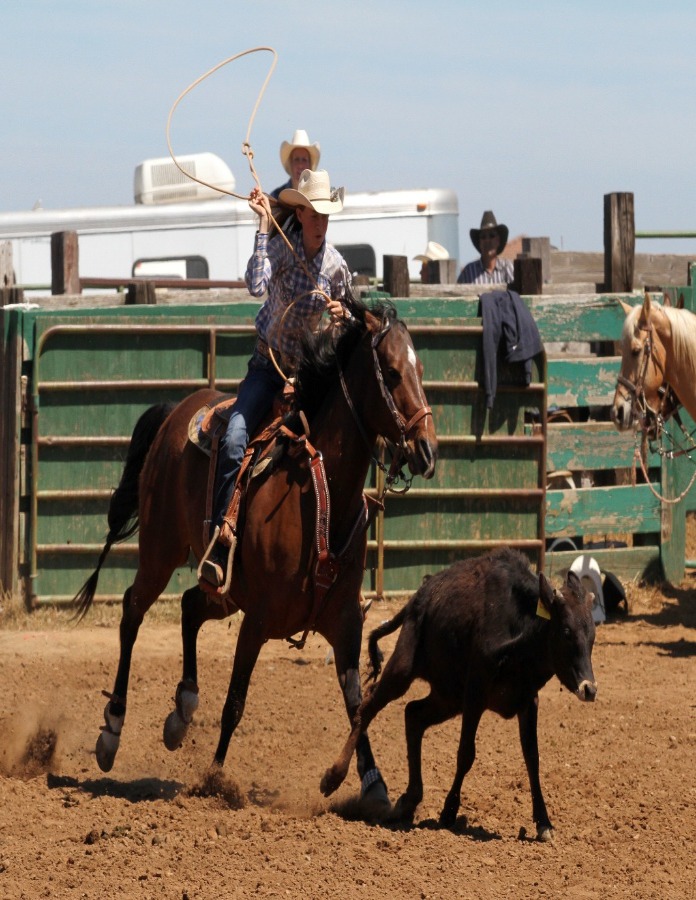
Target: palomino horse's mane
<point>323,352</point>
<point>683,326</point>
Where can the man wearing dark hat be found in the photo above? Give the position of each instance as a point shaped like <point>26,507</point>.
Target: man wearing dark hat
<point>490,240</point>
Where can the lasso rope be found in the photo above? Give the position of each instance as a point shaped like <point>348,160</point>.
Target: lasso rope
<point>246,146</point>
<point>249,153</point>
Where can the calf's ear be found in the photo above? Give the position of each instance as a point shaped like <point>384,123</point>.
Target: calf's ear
<point>574,582</point>
<point>546,593</point>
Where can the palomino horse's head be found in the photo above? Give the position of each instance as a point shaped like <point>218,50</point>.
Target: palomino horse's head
<point>401,414</point>
<point>641,382</point>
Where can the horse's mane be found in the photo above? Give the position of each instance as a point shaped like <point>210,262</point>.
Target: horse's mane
<point>683,325</point>
<point>323,352</point>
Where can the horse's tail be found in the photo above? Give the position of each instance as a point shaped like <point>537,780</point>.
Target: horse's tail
<point>122,517</point>
<point>376,655</point>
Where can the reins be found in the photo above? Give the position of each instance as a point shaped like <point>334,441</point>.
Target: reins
<point>394,474</point>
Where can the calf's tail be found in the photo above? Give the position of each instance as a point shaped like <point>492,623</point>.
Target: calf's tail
<point>376,655</point>
<point>122,517</point>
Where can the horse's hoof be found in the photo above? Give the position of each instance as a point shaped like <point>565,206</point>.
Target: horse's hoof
<point>107,745</point>
<point>174,730</point>
<point>544,833</point>
<point>374,799</point>
<point>448,816</point>
<point>187,702</point>
<point>330,782</point>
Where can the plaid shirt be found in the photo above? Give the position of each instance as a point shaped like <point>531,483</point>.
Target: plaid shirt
<point>274,268</point>
<point>474,273</point>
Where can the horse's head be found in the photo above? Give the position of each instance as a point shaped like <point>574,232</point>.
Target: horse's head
<point>401,413</point>
<point>640,388</point>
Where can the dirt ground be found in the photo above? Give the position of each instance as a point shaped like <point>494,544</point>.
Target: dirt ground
<point>619,775</point>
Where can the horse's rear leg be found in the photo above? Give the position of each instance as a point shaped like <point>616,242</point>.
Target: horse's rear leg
<point>136,602</point>
<point>196,609</point>
<point>246,653</point>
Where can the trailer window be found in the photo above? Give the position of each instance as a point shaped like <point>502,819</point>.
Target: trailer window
<point>361,258</point>
<point>171,267</point>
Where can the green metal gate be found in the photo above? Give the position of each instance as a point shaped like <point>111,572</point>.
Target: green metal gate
<point>91,373</point>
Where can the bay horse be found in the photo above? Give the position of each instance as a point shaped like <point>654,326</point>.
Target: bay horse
<point>658,353</point>
<point>353,384</point>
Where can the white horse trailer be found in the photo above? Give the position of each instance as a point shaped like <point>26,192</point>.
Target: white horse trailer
<point>166,234</point>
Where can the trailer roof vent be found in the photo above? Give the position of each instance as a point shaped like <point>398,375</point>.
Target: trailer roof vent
<point>161,181</point>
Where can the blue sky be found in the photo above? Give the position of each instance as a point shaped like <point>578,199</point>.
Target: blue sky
<point>535,110</point>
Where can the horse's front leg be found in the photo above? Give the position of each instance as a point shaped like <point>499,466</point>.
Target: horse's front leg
<point>196,609</point>
<point>251,639</point>
<point>346,645</point>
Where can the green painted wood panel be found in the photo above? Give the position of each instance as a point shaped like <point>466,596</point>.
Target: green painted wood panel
<point>591,445</point>
<point>602,511</point>
<point>582,382</point>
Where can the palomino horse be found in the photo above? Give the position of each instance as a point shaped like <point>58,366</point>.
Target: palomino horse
<point>658,352</point>
<point>354,384</point>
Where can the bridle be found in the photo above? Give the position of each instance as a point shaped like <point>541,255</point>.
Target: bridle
<point>651,420</point>
<point>394,474</point>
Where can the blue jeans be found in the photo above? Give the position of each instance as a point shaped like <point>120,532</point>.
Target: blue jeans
<point>254,400</point>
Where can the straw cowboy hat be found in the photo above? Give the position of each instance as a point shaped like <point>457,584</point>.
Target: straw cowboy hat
<point>314,189</point>
<point>588,571</point>
<point>299,139</point>
<point>489,223</point>
<point>433,251</point>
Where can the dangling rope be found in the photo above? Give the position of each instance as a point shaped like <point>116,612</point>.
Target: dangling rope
<point>249,153</point>
<point>639,452</point>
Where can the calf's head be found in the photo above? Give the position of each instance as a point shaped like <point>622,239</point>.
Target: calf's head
<point>571,634</point>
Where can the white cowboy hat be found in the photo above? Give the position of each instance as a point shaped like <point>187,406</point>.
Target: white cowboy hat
<point>587,570</point>
<point>299,139</point>
<point>433,251</point>
<point>314,189</point>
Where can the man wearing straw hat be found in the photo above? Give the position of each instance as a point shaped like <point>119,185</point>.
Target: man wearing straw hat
<point>303,275</point>
<point>296,156</point>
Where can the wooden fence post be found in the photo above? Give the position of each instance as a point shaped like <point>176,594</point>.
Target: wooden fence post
<point>539,247</point>
<point>10,429</point>
<point>7,278</point>
<point>396,280</point>
<point>8,292</point>
<point>65,263</point>
<point>141,292</point>
<point>619,242</point>
<point>528,275</point>
<point>441,271</point>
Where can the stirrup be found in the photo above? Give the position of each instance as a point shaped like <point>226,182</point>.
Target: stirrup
<point>211,576</point>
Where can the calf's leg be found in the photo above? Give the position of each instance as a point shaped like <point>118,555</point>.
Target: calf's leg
<point>466,754</point>
<point>527,720</point>
<point>419,716</point>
